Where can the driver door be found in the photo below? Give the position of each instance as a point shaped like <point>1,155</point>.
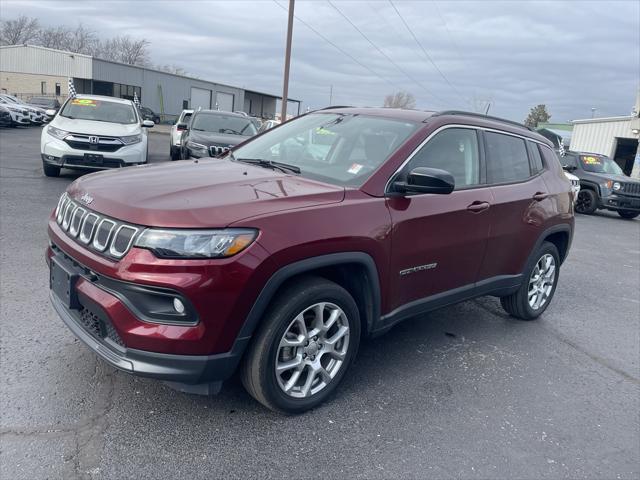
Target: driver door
<point>439,241</point>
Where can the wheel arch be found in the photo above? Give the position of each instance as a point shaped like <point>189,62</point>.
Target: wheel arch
<point>559,235</point>
<point>354,271</point>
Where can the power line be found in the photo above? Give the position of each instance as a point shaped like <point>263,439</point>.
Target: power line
<point>380,50</point>
<point>338,48</point>
<point>425,51</point>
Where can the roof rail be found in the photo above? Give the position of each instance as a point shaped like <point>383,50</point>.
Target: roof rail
<point>335,106</point>
<point>481,115</point>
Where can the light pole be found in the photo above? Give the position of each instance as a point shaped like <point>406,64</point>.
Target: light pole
<point>287,62</point>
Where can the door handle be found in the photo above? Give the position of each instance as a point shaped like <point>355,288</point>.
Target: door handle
<point>478,206</point>
<point>539,196</point>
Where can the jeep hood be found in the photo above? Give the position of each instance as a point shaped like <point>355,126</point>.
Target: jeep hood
<point>91,127</point>
<point>198,194</point>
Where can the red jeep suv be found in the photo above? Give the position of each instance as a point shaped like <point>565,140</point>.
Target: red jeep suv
<point>279,257</point>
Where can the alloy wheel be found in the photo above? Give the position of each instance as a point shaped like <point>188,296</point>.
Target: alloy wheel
<point>584,202</point>
<point>541,281</point>
<point>312,350</point>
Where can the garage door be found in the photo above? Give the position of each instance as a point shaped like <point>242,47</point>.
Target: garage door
<point>224,101</point>
<point>200,98</point>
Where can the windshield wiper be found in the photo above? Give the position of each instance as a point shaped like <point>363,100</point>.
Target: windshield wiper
<point>283,167</point>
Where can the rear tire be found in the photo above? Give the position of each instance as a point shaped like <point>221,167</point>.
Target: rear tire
<point>50,170</point>
<point>587,202</point>
<point>319,357</point>
<point>628,214</point>
<point>538,286</point>
<point>174,153</point>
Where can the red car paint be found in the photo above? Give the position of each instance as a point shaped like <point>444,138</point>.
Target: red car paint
<point>297,219</point>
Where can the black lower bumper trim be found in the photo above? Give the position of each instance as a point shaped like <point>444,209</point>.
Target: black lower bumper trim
<point>189,373</point>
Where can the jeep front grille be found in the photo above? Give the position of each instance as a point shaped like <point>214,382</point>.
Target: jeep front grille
<point>99,233</point>
<point>631,188</point>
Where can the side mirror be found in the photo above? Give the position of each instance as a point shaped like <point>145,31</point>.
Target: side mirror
<point>427,180</point>
<point>148,123</point>
<point>181,126</point>
<point>569,168</point>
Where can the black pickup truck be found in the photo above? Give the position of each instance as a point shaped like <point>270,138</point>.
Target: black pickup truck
<point>603,184</point>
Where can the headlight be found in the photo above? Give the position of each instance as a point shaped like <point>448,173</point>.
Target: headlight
<point>56,132</point>
<point>196,243</point>
<point>196,146</point>
<point>617,186</point>
<point>15,109</point>
<point>130,140</point>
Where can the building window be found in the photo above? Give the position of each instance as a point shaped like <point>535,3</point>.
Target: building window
<point>57,89</point>
<point>185,104</point>
<point>43,88</point>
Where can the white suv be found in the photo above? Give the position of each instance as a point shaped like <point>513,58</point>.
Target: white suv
<point>177,129</point>
<point>93,132</point>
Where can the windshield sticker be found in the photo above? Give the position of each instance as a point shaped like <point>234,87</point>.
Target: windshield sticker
<point>84,102</point>
<point>591,160</point>
<point>355,169</point>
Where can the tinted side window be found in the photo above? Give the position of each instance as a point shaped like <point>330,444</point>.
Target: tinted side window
<point>569,160</point>
<point>536,158</point>
<point>454,150</point>
<point>507,159</point>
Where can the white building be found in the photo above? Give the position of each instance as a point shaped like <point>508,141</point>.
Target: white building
<point>616,137</point>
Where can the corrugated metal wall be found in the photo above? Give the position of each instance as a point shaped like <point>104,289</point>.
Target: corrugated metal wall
<point>41,61</point>
<point>599,137</point>
<point>175,89</point>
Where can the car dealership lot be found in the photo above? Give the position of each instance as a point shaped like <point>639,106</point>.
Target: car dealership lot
<point>462,392</point>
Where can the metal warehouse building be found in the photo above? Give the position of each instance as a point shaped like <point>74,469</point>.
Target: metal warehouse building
<point>27,70</point>
<point>616,137</point>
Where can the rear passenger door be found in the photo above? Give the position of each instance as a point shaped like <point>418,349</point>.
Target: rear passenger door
<point>514,171</point>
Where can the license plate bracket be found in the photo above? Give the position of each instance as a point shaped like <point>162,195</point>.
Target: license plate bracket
<point>62,281</point>
<point>93,159</point>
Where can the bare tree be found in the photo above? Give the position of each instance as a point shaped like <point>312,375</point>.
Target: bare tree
<point>400,100</point>
<point>19,31</point>
<point>124,49</point>
<point>83,40</point>
<point>54,37</point>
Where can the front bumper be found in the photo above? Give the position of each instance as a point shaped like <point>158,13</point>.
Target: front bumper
<point>59,153</point>
<point>620,202</point>
<point>202,374</point>
<point>108,319</point>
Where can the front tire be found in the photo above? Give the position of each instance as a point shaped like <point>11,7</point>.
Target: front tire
<point>628,214</point>
<point>307,342</point>
<point>540,281</point>
<point>587,202</point>
<point>50,170</point>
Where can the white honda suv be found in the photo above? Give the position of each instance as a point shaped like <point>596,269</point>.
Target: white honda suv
<point>92,132</point>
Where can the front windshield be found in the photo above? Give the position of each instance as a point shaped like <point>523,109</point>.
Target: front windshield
<point>225,124</point>
<point>600,164</point>
<point>42,101</point>
<point>99,111</point>
<point>335,148</point>
<point>10,98</point>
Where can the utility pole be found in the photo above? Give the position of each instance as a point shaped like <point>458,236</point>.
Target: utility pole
<point>287,63</point>
<point>330,95</point>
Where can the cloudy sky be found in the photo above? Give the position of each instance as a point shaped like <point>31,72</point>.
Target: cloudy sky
<point>570,55</point>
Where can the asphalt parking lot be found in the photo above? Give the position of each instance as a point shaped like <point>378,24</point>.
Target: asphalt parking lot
<point>463,392</point>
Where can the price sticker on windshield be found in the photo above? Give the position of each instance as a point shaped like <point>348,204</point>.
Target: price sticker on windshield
<point>84,102</point>
<point>355,169</point>
<point>591,160</point>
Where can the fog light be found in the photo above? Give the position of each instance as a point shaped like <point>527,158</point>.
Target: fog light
<point>178,305</point>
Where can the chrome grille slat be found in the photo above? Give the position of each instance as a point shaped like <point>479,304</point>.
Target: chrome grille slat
<point>76,221</point>
<point>84,236</point>
<point>96,242</point>
<point>101,234</point>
